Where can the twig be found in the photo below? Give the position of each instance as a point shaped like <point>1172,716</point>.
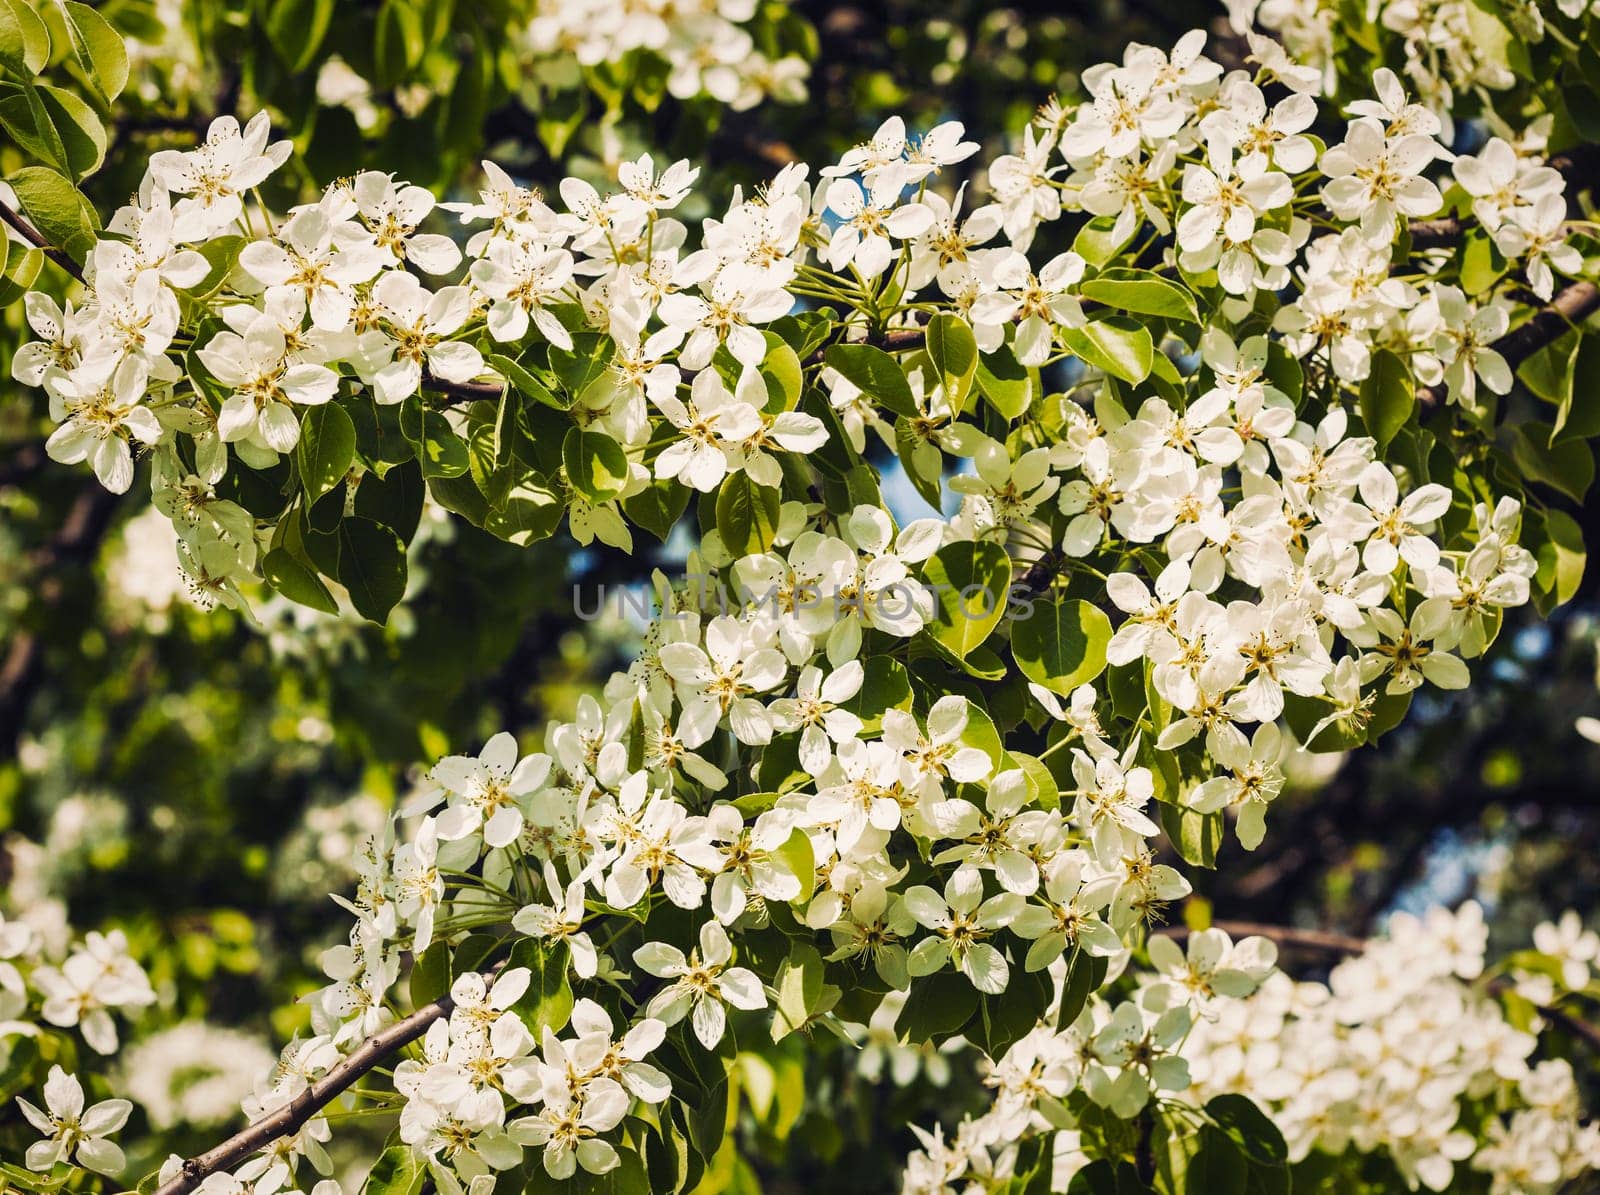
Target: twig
<point>39,241</point>
<point>1578,1028</point>
<point>289,1118</point>
<point>455,392</point>
<point>895,341</point>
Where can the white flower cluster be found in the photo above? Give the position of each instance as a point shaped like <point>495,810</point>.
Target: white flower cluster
<point>80,990</point>
<point>1255,558</point>
<point>1024,877</point>
<point>1450,47</point>
<point>1118,1052</point>
<point>1400,1051</point>
<point>1520,201</point>
<point>1397,1051</point>
<point>337,292</point>
<point>706,46</point>
<point>707,49</point>
<point>193,1073</point>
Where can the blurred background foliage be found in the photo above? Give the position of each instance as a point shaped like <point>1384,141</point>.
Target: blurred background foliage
<point>203,783</point>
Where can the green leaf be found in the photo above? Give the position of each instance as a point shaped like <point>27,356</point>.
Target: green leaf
<point>1388,396</point>
<point>1096,244</point>
<point>380,438</point>
<point>954,352</point>
<point>1196,836</point>
<point>297,581</point>
<point>658,507</point>
<point>1217,1165</point>
<point>1061,645</point>
<point>797,853</point>
<point>782,373</point>
<point>1119,347</point>
<point>1143,292</point>
<point>1085,973</point>
<point>1005,1020</point>
<point>876,374</point>
<point>1004,382</point>
<point>530,511</point>
<point>971,583</point>
<point>296,29</point>
<point>922,461</point>
<point>24,39</point>
<point>1482,264</point>
<point>1567,552</point>
<point>596,465</point>
<point>98,48</point>
<point>1303,714</point>
<point>799,986</point>
<point>586,363</point>
<point>938,1006</point>
<point>885,685</point>
<point>1568,466</point>
<point>393,498</point>
<point>399,1170</point>
<point>547,1004</point>
<point>1579,415</point>
<point>1548,372</point>
<point>747,515</point>
<point>399,44</point>
<point>222,254</point>
<point>326,450</point>
<point>430,974</point>
<point>442,452</point>
<point>21,270</point>
<point>523,382</point>
<point>57,209</point>
<point>1285,372</point>
<point>372,566</point>
<point>24,116</point>
<point>1248,1127</point>
<point>83,137</point>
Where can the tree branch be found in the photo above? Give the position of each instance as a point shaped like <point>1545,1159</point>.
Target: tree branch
<point>39,241</point>
<point>462,392</point>
<point>288,1119</point>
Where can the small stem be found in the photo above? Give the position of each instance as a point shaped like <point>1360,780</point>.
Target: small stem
<point>37,239</point>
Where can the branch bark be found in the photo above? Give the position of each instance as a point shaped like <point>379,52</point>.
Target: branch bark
<point>289,1119</point>
<point>38,240</point>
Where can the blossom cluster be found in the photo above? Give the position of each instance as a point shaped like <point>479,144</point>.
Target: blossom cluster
<point>706,48</point>
<point>1259,555</point>
<point>49,981</point>
<point>1402,1051</point>
<point>705,44</point>
<point>1450,50</point>
<point>621,811</point>
<point>77,988</point>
